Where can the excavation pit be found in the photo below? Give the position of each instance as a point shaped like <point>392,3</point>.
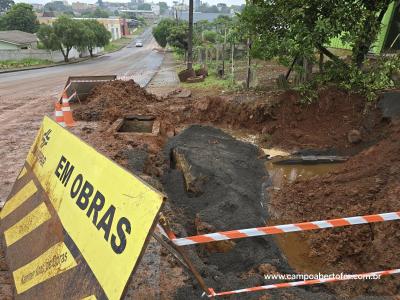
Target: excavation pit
<point>136,125</point>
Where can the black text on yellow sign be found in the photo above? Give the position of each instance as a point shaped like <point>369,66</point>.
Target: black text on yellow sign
<point>92,202</point>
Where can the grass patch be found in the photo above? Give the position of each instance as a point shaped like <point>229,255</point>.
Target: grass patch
<point>117,44</point>
<point>214,82</point>
<point>23,63</point>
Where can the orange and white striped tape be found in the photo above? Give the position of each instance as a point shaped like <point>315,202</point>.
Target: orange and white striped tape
<point>66,99</point>
<point>278,229</point>
<point>300,283</point>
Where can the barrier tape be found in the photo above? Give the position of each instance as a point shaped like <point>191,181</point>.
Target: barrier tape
<point>278,229</point>
<point>299,283</point>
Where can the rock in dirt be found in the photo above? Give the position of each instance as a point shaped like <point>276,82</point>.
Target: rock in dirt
<point>390,105</point>
<point>354,136</point>
<point>180,93</point>
<point>216,183</point>
<point>195,79</point>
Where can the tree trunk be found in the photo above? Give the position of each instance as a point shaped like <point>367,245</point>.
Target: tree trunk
<point>248,78</point>
<point>65,54</point>
<point>233,62</point>
<point>329,54</point>
<point>290,69</point>
<point>190,37</point>
<point>200,54</point>
<point>365,41</point>
<point>321,62</point>
<point>91,51</point>
<point>223,54</point>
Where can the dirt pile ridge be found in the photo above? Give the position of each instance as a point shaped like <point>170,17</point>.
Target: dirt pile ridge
<point>285,122</point>
<point>112,100</point>
<point>368,183</point>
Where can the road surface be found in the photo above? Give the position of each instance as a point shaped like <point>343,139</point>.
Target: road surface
<point>26,96</point>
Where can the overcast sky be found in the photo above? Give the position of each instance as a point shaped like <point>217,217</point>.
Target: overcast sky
<point>228,2</point>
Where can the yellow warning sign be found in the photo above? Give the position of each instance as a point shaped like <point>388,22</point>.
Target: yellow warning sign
<point>33,220</point>
<point>106,212</point>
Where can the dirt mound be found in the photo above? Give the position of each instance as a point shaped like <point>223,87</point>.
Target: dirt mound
<point>216,183</point>
<point>284,121</point>
<point>111,100</point>
<point>367,184</point>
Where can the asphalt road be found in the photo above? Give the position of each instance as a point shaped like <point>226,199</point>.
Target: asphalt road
<point>139,62</point>
<point>26,96</point>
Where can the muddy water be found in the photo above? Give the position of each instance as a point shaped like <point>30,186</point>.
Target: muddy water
<point>294,245</point>
<point>281,174</point>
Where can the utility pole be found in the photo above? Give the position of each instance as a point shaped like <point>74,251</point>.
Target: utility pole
<point>190,37</point>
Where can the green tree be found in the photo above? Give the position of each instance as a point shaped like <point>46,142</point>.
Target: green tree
<point>295,28</point>
<point>94,35</point>
<point>162,31</point>
<point>6,5</point>
<point>48,38</point>
<point>100,13</point>
<point>65,34</point>
<point>210,36</point>
<point>58,6</point>
<point>178,37</point>
<point>21,17</point>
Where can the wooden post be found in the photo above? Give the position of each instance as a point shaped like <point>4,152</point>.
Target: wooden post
<point>185,258</point>
<point>190,37</point>
<point>232,62</point>
<point>248,78</point>
<point>223,54</point>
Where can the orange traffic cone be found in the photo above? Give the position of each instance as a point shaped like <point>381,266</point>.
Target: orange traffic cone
<point>66,109</point>
<point>59,115</point>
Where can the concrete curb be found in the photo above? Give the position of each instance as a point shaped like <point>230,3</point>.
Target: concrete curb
<point>49,66</point>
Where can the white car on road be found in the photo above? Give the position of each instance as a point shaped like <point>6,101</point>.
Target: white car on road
<point>139,43</point>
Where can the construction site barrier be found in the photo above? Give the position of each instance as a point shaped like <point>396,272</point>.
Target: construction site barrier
<point>278,229</point>
<point>300,283</point>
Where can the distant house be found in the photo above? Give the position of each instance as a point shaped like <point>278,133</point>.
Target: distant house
<point>15,39</point>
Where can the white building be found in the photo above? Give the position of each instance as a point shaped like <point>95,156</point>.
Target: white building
<point>155,8</point>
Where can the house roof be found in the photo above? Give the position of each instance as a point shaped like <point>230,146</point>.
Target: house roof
<point>17,37</point>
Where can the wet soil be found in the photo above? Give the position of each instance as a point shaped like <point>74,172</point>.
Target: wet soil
<point>367,184</point>
<point>111,100</point>
<point>268,119</point>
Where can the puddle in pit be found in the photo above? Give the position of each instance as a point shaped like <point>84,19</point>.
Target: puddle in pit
<point>293,245</point>
<point>281,174</point>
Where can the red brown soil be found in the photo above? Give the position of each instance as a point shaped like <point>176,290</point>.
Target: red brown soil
<point>111,100</point>
<point>280,117</point>
<point>367,184</point>
<point>285,122</point>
